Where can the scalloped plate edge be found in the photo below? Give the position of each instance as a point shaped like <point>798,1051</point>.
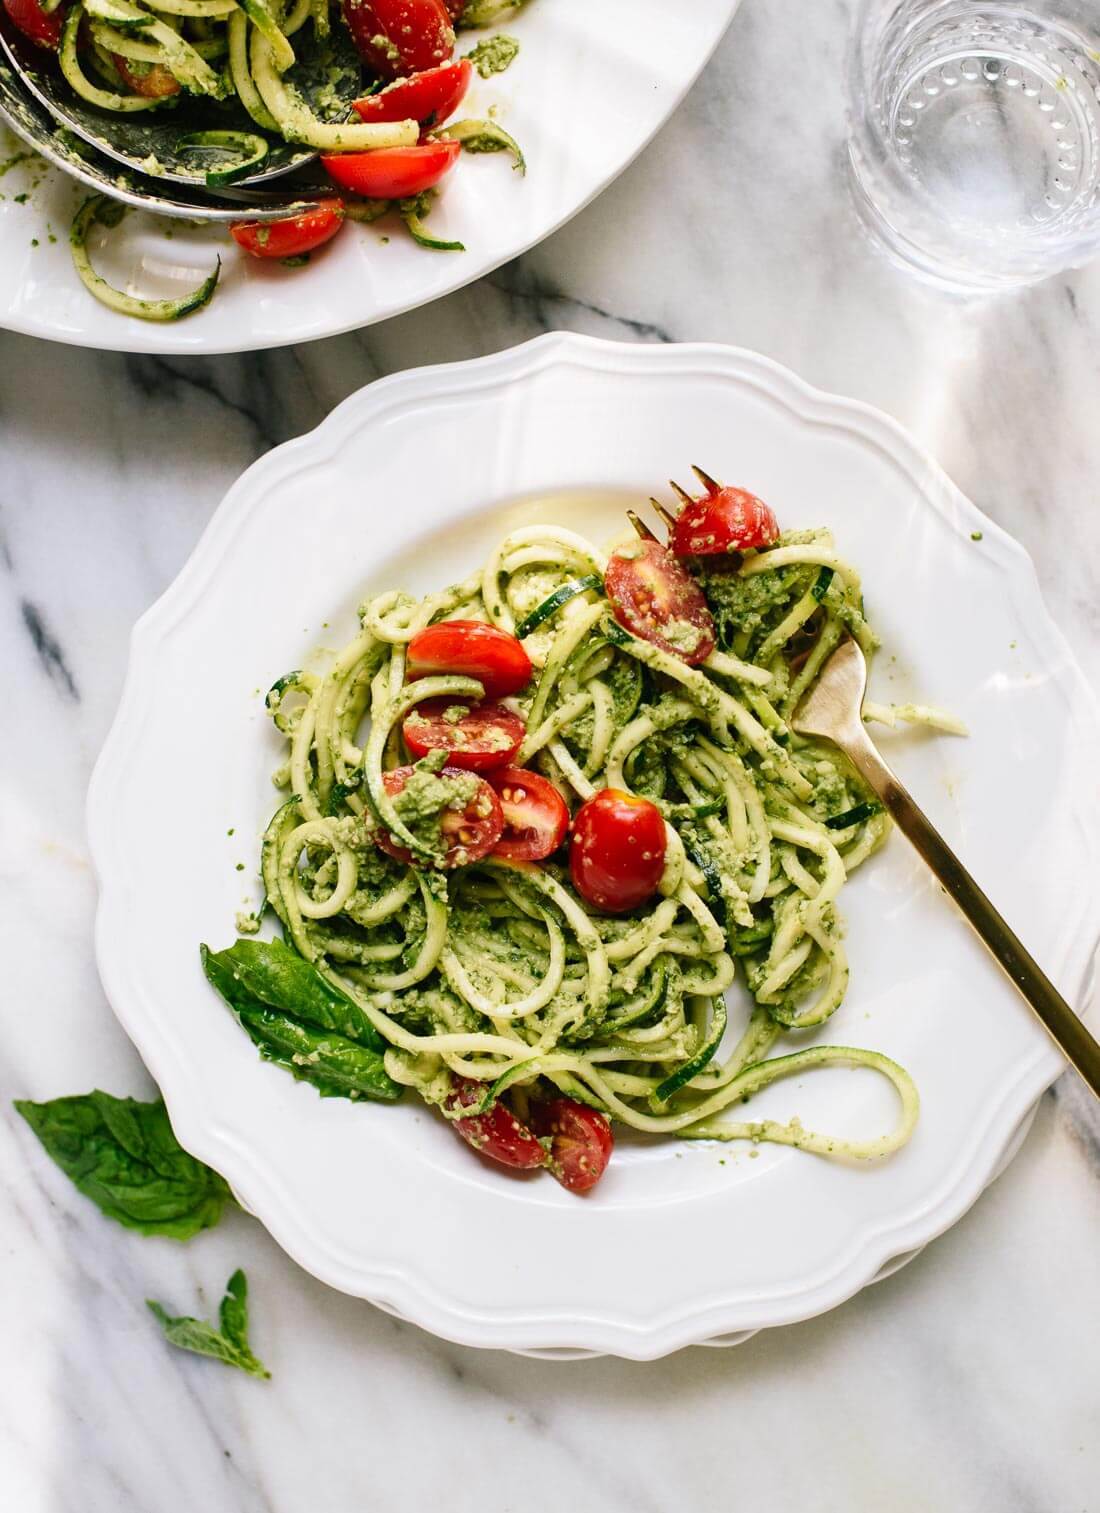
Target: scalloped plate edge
<point>874,1247</point>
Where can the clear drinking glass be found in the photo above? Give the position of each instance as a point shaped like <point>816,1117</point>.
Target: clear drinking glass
<point>974,135</point>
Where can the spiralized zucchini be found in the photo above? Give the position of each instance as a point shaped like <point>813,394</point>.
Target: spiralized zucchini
<point>110,213</point>
<point>175,36</point>
<point>130,57</point>
<point>499,971</point>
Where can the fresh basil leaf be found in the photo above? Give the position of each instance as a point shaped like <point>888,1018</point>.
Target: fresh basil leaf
<point>229,1344</point>
<point>270,972</point>
<point>124,1156</point>
<point>337,1067</point>
<point>299,1022</point>
<point>233,1312</point>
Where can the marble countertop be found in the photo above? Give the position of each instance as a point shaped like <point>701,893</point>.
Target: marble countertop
<point>969,1380</point>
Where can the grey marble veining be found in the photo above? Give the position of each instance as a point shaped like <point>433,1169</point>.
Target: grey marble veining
<point>968,1381</point>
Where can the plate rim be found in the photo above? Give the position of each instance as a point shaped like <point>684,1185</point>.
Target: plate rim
<point>876,1243</point>
<point>11,321</point>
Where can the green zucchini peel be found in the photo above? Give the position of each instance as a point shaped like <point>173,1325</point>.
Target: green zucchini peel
<point>98,208</point>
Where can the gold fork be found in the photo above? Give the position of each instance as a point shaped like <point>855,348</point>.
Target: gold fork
<point>832,711</point>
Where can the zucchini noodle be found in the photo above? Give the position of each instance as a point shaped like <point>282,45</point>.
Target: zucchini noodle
<point>498,970</point>
<point>232,64</point>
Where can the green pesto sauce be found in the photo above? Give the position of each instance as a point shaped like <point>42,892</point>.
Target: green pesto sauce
<point>382,44</point>
<point>682,635</point>
<point>428,796</point>
<point>742,605</point>
<point>13,162</point>
<point>830,794</point>
<point>493,55</point>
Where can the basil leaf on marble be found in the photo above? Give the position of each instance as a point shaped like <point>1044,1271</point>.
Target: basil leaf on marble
<point>233,1311</point>
<point>297,1020</point>
<point>229,1344</point>
<point>123,1155</point>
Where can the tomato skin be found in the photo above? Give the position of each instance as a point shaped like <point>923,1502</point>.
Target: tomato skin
<point>429,97</point>
<point>292,237</point>
<point>415,34</point>
<point>496,659</point>
<point>37,25</point>
<point>482,828</point>
<point>617,854</point>
<point>497,1133</point>
<point>156,83</point>
<point>536,817</point>
<point>723,520</point>
<point>392,173</point>
<point>655,597</point>
<point>472,743</point>
<point>581,1141</point>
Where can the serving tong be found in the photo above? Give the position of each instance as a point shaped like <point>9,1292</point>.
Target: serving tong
<point>832,710</point>
<point>88,145</point>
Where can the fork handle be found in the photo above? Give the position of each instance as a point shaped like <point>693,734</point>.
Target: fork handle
<point>1079,1047</point>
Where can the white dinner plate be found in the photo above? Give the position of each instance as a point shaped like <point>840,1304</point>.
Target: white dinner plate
<point>407,483</point>
<point>593,82</point>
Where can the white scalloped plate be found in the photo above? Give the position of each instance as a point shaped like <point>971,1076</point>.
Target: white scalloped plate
<point>592,84</point>
<point>407,482</point>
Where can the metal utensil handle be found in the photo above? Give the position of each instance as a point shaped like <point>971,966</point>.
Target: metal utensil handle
<point>1061,1023</point>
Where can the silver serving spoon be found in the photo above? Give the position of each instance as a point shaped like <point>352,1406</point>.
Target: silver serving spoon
<point>832,711</point>
<point>32,125</point>
<point>328,74</point>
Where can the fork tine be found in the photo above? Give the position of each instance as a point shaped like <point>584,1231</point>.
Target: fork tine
<point>705,479</point>
<point>665,515</point>
<point>640,526</point>
<point>681,494</point>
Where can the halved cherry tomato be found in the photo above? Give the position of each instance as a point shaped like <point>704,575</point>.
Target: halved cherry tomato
<point>392,173</point>
<point>497,1133</point>
<point>535,815</point>
<point>618,851</point>
<point>154,81</point>
<point>400,36</point>
<point>723,520</point>
<point>581,1141</point>
<point>431,97</point>
<point>295,235</point>
<point>492,656</point>
<point>475,737</point>
<point>656,598</point>
<point>43,27</point>
<point>471,832</point>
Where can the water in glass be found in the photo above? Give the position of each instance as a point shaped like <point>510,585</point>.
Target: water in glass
<point>975,135</point>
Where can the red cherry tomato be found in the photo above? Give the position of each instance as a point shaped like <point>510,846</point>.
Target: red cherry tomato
<point>392,173</point>
<point>431,97</point>
<point>535,815</point>
<point>656,598</point>
<point>455,8</point>
<point>43,27</point>
<point>154,81</point>
<point>400,36</point>
<point>295,235</point>
<point>723,520</point>
<point>581,1141</point>
<point>492,656</point>
<point>474,737</point>
<point>617,854</point>
<point>471,832</point>
<point>497,1133</point>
